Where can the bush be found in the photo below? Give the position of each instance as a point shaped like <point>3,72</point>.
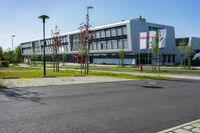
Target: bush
<point>4,63</point>
<point>102,63</point>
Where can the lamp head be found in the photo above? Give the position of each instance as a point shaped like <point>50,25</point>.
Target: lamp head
<point>43,17</point>
<point>90,7</point>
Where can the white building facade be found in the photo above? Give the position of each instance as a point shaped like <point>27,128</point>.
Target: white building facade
<point>108,41</point>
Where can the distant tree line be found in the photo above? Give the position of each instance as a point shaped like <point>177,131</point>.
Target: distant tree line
<point>6,55</point>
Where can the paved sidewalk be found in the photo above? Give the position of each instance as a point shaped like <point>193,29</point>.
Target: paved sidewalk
<point>26,82</point>
<point>191,127</point>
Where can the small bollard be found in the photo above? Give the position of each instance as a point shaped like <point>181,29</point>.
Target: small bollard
<point>141,67</point>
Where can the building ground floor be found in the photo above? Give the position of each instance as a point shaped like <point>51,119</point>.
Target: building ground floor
<point>165,59</point>
<point>113,58</point>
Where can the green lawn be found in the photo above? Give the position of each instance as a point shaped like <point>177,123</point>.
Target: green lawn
<point>35,73</point>
<point>128,76</point>
<point>147,69</point>
<point>18,72</point>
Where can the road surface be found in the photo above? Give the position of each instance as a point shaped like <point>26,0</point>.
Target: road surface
<point>122,107</point>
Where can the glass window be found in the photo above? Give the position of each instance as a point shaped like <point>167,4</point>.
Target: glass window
<point>104,45</point>
<point>108,33</point>
<point>41,42</point>
<point>91,46</point>
<point>109,44</point>
<point>103,34</point>
<point>46,49</point>
<point>119,31</point>
<point>114,44</point>
<point>125,43</point>
<point>124,30</point>
<point>62,48</point>
<point>101,45</point>
<point>97,34</point>
<point>98,45</point>
<point>113,31</point>
<point>65,39</point>
<point>65,47</point>
<point>120,44</point>
<point>94,45</point>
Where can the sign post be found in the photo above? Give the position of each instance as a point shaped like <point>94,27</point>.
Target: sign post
<point>143,42</point>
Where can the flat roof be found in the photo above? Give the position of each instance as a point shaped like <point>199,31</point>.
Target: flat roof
<point>77,31</point>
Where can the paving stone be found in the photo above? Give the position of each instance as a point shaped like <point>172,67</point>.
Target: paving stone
<point>196,124</point>
<point>188,127</point>
<point>191,127</point>
<point>196,130</point>
<point>181,131</point>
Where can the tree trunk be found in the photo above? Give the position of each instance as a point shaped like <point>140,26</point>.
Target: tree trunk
<point>53,65</point>
<point>88,56</point>
<point>87,64</point>
<point>189,62</point>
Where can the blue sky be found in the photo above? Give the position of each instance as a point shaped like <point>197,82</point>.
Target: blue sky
<point>20,17</point>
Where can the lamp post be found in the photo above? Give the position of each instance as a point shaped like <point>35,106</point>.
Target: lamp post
<point>87,30</point>
<point>44,17</point>
<point>13,49</point>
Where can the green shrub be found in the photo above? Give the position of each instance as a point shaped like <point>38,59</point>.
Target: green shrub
<point>103,63</point>
<point>4,63</point>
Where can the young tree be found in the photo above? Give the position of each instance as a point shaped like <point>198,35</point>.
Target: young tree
<point>17,54</point>
<point>82,55</point>
<point>1,53</point>
<point>186,50</point>
<point>53,56</point>
<point>155,50</point>
<point>28,57</point>
<point>56,44</point>
<point>42,58</point>
<point>121,55</point>
<point>86,38</point>
<point>33,57</point>
<point>64,58</point>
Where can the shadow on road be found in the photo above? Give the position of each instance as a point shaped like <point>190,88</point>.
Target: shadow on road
<point>22,94</point>
<point>152,87</point>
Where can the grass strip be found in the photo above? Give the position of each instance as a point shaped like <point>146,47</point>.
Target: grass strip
<point>129,76</point>
<point>36,74</point>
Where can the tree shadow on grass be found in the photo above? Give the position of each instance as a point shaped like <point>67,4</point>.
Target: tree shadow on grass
<point>22,94</point>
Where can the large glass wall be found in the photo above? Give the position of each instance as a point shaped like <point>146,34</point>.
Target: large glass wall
<point>74,42</point>
<point>111,38</point>
<point>105,39</point>
<point>36,47</point>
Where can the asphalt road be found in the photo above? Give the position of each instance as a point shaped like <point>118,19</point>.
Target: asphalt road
<point>122,107</point>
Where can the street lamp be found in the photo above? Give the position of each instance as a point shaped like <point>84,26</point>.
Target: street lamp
<point>87,30</point>
<point>44,17</point>
<point>13,49</point>
<point>87,16</point>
